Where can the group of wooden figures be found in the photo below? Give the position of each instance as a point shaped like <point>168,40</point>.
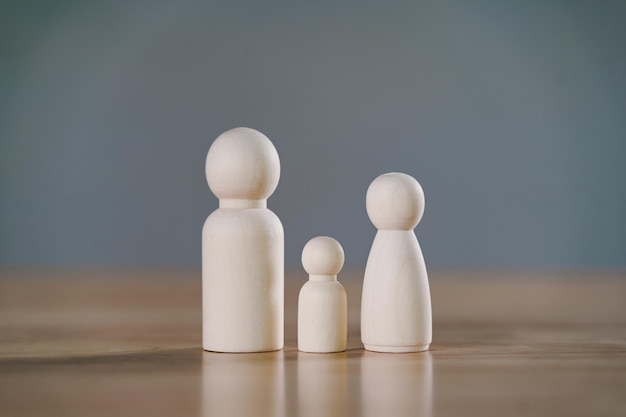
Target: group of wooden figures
<point>243,262</point>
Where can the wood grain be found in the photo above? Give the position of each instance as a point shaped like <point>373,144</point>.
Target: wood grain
<point>127,342</point>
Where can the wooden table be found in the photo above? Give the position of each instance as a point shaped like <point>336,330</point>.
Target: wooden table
<point>127,342</point>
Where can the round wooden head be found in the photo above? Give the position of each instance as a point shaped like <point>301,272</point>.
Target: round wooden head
<point>242,164</point>
<point>395,201</point>
<point>322,255</point>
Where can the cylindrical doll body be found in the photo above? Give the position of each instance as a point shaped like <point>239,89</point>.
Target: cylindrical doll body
<point>242,280</point>
<point>322,303</point>
<point>242,247</point>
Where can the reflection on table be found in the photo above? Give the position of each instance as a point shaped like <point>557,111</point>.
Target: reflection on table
<point>236,384</point>
<point>287,383</point>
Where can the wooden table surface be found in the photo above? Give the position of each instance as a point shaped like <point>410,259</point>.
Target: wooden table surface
<point>127,342</point>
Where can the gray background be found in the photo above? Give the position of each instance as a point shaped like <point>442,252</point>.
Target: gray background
<point>512,115</point>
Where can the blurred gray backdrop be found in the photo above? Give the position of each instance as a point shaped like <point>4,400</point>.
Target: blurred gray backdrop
<point>511,114</point>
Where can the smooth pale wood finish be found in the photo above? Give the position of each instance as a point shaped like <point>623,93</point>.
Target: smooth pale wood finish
<point>242,247</point>
<point>322,303</point>
<point>128,342</point>
<point>396,313</point>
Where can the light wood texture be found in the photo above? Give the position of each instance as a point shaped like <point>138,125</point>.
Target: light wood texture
<point>396,313</point>
<point>243,247</point>
<point>322,303</point>
<point>127,343</point>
